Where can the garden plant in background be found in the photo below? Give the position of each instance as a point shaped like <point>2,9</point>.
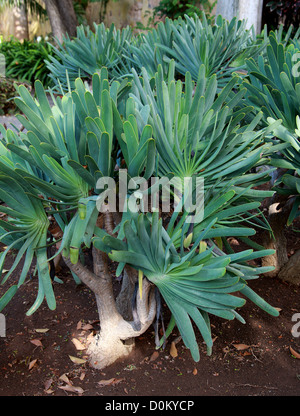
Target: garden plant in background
<point>21,64</point>
<point>286,13</point>
<point>7,95</point>
<point>222,46</point>
<point>25,61</point>
<point>175,9</point>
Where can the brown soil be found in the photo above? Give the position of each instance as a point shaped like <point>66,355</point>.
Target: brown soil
<point>259,358</point>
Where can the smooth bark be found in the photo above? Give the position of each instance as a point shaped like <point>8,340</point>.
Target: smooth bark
<point>250,10</point>
<point>21,22</point>
<point>119,326</point>
<point>62,18</point>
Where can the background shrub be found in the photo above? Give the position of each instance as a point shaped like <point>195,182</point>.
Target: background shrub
<point>25,60</point>
<point>7,95</point>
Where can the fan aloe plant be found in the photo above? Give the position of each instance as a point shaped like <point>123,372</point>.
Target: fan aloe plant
<point>194,283</point>
<point>146,52</point>
<point>288,160</point>
<point>53,176</point>
<point>273,87</point>
<point>200,133</point>
<point>87,53</point>
<point>221,46</point>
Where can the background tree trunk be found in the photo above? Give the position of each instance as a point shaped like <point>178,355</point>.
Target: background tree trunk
<point>252,12</point>
<point>21,22</point>
<point>243,10</point>
<point>227,8</point>
<point>62,18</point>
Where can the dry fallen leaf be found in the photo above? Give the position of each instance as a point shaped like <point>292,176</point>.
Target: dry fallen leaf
<point>173,350</point>
<point>89,338</point>
<point>241,347</point>
<point>195,371</point>
<point>154,356</point>
<point>47,384</point>
<point>86,327</point>
<point>295,354</point>
<point>79,325</point>
<point>79,346</point>
<point>103,383</point>
<point>42,330</point>
<point>72,389</point>
<point>64,378</point>
<point>77,360</point>
<point>111,381</point>
<point>32,364</point>
<point>36,342</point>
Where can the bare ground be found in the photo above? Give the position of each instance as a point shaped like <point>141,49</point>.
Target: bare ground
<point>259,358</point>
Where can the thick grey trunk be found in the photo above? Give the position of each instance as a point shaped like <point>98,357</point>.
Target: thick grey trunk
<point>117,336</point>
<point>117,327</point>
